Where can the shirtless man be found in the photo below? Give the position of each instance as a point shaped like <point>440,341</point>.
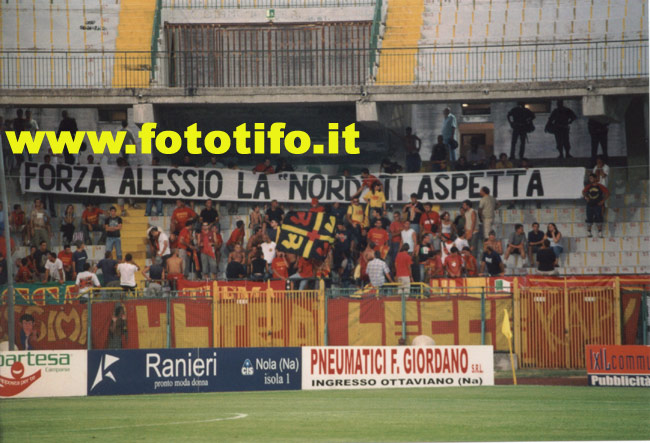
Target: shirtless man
<point>237,255</point>
<point>175,265</point>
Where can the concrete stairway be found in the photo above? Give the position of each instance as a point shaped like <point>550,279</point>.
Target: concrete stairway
<point>399,47</point>
<point>134,34</point>
<point>134,237</point>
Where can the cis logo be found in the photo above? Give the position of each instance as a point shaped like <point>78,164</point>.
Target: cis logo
<point>247,368</point>
<point>10,387</point>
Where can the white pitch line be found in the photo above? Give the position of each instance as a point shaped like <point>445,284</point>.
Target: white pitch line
<point>237,416</point>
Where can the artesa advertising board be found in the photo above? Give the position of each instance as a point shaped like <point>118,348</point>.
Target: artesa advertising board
<point>43,373</point>
<point>615,365</point>
<point>156,371</point>
<point>357,367</point>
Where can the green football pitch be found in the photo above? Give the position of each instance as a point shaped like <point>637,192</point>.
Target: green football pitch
<point>502,413</point>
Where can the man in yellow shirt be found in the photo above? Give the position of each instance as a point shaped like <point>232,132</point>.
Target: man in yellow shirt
<point>355,218</point>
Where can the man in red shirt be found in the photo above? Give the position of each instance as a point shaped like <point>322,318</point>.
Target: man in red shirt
<point>434,266</point>
<point>305,272</point>
<point>454,264</point>
<point>66,258</point>
<point>280,267</point>
<point>182,216</point>
<point>90,223</point>
<point>430,224</point>
<point>264,167</point>
<point>367,179</point>
<point>378,237</point>
<point>185,243</point>
<point>236,236</point>
<point>403,272</point>
<point>316,206</point>
<point>395,230</point>
<point>470,263</point>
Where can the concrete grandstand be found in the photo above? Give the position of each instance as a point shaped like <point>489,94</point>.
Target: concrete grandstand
<point>383,65</point>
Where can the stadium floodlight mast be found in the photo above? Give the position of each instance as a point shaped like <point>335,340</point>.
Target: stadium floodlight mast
<point>10,275</point>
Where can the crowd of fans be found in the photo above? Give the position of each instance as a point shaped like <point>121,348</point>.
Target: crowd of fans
<point>373,245</point>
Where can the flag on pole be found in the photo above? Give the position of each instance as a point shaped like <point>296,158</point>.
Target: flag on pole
<point>505,328</point>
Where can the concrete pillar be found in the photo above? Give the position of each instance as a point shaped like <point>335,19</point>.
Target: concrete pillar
<point>367,112</point>
<point>143,113</point>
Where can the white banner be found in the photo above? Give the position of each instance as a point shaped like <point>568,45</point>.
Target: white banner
<point>297,187</point>
<point>43,373</point>
<point>361,367</point>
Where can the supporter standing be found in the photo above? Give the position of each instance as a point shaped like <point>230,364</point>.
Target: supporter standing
<point>236,236</point>
<point>18,224</point>
<point>439,156</point>
<point>54,269</point>
<point>378,271</point>
<point>595,194</point>
<point>40,258</point>
<point>471,226</point>
<point>67,124</point>
<point>85,281</point>
<point>207,243</point>
<point>375,199</point>
<point>601,170</point>
<point>126,271</point>
<point>39,223</point>
<point>67,226</point>
<point>79,258</point>
<point>181,217</point>
<point>448,130</point>
<point>113,227</point>
<point>108,266</point>
<point>412,145</point>
<point>264,167</point>
<point>559,123</point>
<point>65,255</point>
<point>274,213</point>
<point>280,267</point>
<point>521,122</point>
<point>598,133</point>
<point>155,277</point>
<point>268,250</point>
<point>453,264</point>
<point>161,243</point>
<point>403,271</point>
<point>424,253</point>
<point>409,237</point>
<point>469,262</point>
<point>355,218</point>
<point>379,237</point>
<point>430,224</point>
<point>492,263</point>
<point>151,202</point>
<point>209,214</point>
<point>90,223</point>
<point>414,210</point>
<point>395,230</point>
<point>487,210</point>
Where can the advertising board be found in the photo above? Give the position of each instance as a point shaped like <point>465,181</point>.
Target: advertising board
<point>358,367</point>
<point>43,373</point>
<point>155,371</point>
<point>616,365</point>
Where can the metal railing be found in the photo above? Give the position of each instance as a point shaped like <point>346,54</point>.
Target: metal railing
<point>374,34</point>
<point>324,67</point>
<point>262,4</point>
<point>155,32</point>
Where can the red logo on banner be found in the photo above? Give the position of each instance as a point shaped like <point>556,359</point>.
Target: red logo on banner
<point>10,387</point>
